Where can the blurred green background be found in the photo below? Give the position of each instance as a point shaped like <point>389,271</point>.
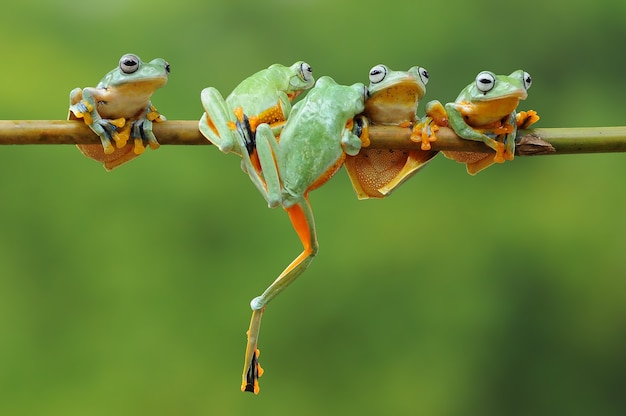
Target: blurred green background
<point>127,293</point>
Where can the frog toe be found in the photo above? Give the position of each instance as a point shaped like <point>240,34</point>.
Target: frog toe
<point>139,147</point>
<point>108,148</point>
<point>525,119</point>
<point>500,151</point>
<point>425,132</point>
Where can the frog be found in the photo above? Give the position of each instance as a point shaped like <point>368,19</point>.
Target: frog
<point>311,147</point>
<point>486,110</point>
<point>119,108</point>
<point>393,100</point>
<point>264,97</point>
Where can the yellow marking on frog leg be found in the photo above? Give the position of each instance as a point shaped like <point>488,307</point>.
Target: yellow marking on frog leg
<point>301,217</point>
<point>211,125</point>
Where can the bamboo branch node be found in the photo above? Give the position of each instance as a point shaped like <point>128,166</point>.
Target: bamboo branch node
<point>532,145</point>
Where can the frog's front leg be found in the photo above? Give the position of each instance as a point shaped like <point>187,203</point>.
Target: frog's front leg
<point>216,124</point>
<point>509,138</point>
<point>350,142</point>
<point>425,130</point>
<point>83,105</point>
<point>141,131</point>
<point>461,128</point>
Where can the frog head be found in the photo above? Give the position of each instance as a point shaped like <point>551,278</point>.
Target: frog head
<point>394,95</point>
<point>299,76</point>
<point>491,97</point>
<point>136,76</point>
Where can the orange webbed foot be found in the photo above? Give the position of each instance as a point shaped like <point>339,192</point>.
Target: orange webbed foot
<point>425,132</point>
<point>500,151</point>
<point>525,119</point>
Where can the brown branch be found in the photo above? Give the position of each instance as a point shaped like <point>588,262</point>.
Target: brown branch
<point>185,132</point>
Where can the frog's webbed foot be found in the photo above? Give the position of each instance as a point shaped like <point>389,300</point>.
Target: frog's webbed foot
<point>500,151</point>
<point>425,132</point>
<point>109,130</point>
<point>141,132</point>
<point>82,109</point>
<point>525,119</point>
<point>361,129</point>
<point>252,369</point>
<point>252,376</point>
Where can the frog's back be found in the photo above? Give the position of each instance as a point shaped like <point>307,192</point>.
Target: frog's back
<point>258,92</point>
<point>310,144</point>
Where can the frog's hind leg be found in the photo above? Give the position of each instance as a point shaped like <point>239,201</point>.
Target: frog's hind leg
<point>301,217</point>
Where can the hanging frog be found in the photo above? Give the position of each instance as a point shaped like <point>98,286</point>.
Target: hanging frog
<point>313,144</point>
<point>485,111</point>
<point>264,97</point>
<point>393,100</point>
<point>119,109</point>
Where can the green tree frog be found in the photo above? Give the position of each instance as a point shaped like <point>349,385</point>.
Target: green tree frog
<point>313,144</point>
<point>485,111</point>
<point>119,108</point>
<point>393,100</point>
<point>264,97</point>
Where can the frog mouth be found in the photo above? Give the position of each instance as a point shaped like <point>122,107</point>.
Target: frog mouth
<point>520,94</point>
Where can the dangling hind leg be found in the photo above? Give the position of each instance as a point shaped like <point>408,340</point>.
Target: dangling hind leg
<point>302,220</point>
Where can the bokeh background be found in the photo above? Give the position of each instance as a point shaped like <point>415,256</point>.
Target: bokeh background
<point>127,293</point>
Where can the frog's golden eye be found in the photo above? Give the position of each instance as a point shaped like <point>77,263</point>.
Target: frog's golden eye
<point>129,63</point>
<point>528,81</point>
<point>485,81</point>
<point>306,72</point>
<point>378,73</point>
<point>423,75</point>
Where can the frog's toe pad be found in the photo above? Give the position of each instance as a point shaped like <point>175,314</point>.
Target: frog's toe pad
<point>139,147</point>
<point>108,149</point>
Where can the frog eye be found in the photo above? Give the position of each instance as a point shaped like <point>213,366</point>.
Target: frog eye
<point>485,81</point>
<point>527,80</point>
<point>423,75</point>
<point>129,63</point>
<point>306,72</point>
<point>378,73</point>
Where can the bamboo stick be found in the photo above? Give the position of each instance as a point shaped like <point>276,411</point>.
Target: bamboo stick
<point>185,132</point>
